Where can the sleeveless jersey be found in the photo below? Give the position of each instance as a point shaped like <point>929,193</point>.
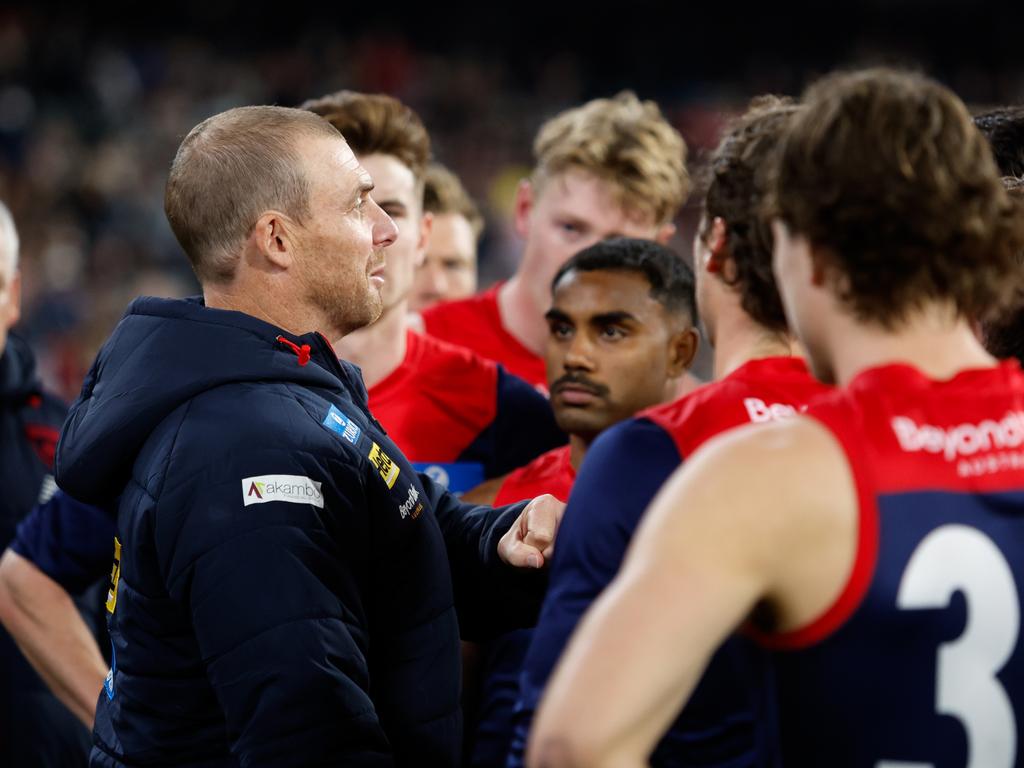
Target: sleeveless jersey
<point>919,661</point>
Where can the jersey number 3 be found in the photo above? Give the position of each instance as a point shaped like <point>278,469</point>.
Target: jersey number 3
<point>958,557</point>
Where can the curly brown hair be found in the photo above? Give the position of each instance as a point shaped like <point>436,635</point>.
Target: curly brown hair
<point>885,174</point>
<point>376,123</point>
<point>735,182</point>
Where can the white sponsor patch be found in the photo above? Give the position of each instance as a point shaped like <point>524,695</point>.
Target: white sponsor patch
<point>297,489</point>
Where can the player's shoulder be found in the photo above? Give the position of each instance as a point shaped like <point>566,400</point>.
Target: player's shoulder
<point>792,464</point>
<point>549,463</point>
<point>452,315</point>
<point>451,367</point>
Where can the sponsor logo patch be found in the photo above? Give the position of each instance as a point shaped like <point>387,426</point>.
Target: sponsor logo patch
<point>959,440</point>
<point>296,489</point>
<point>338,422</point>
<point>387,468</point>
<point>108,681</point>
<point>759,412</point>
<point>115,577</point>
<point>411,506</point>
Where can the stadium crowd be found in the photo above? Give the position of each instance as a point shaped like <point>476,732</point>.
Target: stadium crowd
<point>347,468</point>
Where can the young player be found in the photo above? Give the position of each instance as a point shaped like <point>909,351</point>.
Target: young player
<point>875,542</point>
<point>456,415</point>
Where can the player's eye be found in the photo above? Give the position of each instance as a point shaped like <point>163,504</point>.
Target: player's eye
<point>613,332</point>
<point>561,330</point>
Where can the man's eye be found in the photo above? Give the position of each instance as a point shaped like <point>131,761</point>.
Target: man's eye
<point>613,332</point>
<point>561,330</point>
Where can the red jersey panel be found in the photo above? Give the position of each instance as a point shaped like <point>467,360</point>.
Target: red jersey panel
<point>919,661</point>
<point>437,401</point>
<point>475,323</point>
<point>548,473</point>
<point>762,390</point>
<point>460,417</point>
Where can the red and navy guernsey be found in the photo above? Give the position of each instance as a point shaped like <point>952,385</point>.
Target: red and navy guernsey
<point>919,660</point>
<point>459,417</point>
<point>728,721</point>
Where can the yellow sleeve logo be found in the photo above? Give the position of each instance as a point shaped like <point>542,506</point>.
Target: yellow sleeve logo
<point>115,576</point>
<point>387,468</point>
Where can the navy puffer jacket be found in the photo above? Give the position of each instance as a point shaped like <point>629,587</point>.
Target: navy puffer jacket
<point>283,591</point>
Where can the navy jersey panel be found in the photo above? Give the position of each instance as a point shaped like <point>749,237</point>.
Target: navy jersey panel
<point>281,593</point>
<point>730,720</point>
<point>621,473</point>
<point>69,541</point>
<point>524,427</point>
<point>845,698</point>
<point>30,422</point>
<point>919,661</point>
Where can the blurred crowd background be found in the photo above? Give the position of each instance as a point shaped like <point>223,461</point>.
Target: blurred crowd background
<point>94,101</point>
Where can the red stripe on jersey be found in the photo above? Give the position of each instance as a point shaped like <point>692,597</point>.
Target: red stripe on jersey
<point>832,414</point>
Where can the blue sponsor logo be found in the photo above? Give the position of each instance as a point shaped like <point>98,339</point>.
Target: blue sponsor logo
<point>336,421</point>
<point>108,682</point>
<point>458,477</point>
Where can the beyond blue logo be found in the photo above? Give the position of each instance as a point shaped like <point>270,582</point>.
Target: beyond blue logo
<point>338,422</point>
<point>108,682</point>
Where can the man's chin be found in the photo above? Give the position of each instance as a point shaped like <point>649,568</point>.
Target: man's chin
<point>577,421</point>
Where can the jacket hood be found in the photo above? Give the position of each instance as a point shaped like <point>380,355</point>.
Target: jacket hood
<point>163,353</point>
<point>18,377</point>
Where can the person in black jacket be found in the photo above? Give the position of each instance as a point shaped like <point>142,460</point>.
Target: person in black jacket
<point>285,586</point>
<point>35,729</point>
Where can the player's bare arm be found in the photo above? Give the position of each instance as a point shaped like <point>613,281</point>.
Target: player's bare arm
<point>717,542</point>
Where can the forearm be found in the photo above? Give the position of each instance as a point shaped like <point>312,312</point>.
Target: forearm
<point>48,629</point>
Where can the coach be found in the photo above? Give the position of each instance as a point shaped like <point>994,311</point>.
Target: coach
<point>282,591</point>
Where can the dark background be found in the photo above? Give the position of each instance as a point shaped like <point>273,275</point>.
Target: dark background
<point>94,101</point>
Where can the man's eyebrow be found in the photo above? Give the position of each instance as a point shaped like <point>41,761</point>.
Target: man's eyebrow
<point>555,314</point>
<point>607,318</point>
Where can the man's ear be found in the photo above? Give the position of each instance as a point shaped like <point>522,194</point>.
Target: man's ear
<point>524,207</point>
<point>664,233</point>
<point>426,227</point>
<point>273,239</point>
<point>10,313</point>
<point>682,350</point>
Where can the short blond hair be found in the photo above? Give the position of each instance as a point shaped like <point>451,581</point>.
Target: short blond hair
<point>624,141</point>
<point>443,193</point>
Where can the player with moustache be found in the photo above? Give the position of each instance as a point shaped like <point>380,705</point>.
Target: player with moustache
<point>456,415</point>
<point>759,377</point>
<point>622,333</point>
<point>611,167</point>
<point>873,544</point>
<point>619,307</point>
